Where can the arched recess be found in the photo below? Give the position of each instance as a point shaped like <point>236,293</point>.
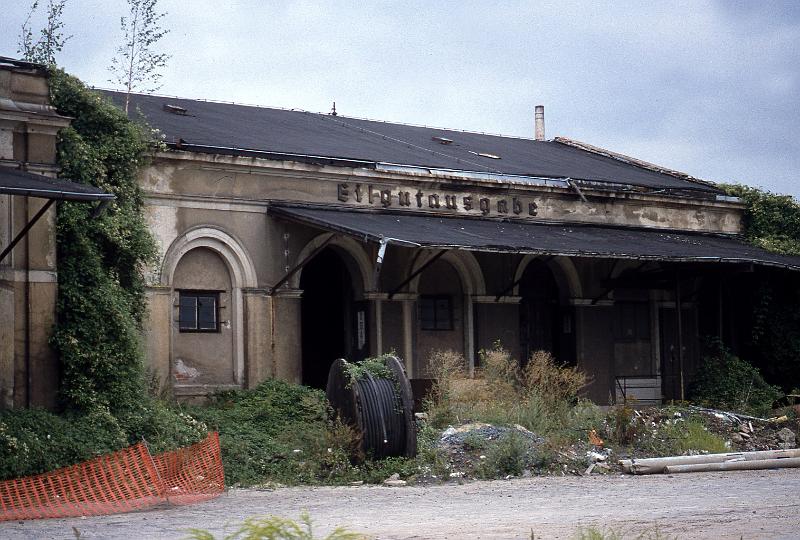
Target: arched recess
<point>229,248</point>
<point>242,274</point>
<point>546,318</point>
<point>564,271</point>
<point>472,282</point>
<point>464,262</point>
<point>335,318</point>
<point>357,254</point>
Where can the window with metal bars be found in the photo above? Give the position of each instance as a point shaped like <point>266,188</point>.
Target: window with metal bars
<point>198,311</point>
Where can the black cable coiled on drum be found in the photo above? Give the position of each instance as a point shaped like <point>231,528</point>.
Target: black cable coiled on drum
<point>383,426</point>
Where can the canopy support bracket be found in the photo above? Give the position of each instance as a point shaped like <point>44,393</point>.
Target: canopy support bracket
<point>27,228</point>
<point>299,266</point>
<point>416,272</point>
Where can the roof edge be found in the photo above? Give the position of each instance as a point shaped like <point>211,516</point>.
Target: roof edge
<point>632,161</point>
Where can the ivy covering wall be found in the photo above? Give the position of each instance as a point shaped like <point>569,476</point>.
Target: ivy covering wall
<point>101,302</point>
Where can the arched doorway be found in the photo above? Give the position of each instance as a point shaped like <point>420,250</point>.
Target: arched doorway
<point>542,323</point>
<point>333,322</point>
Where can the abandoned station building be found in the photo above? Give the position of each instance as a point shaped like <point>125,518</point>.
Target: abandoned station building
<point>289,239</point>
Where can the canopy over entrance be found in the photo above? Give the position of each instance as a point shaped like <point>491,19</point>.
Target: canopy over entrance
<point>15,182</point>
<point>571,240</point>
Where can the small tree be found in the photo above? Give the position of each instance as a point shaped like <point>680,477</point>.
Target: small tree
<point>51,38</point>
<point>136,63</point>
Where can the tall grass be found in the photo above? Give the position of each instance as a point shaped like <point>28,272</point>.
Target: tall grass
<point>542,395</point>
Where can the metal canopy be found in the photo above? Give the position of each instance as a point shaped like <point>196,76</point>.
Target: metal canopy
<point>16,182</point>
<point>572,240</point>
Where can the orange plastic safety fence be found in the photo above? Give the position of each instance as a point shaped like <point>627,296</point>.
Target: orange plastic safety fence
<point>126,480</point>
<point>192,474</point>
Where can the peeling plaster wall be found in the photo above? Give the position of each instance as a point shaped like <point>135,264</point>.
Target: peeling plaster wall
<point>28,279</point>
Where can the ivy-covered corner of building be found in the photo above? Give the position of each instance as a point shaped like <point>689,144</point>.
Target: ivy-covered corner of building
<point>101,258</point>
<point>772,221</point>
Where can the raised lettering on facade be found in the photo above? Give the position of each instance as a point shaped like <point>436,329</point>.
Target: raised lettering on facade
<point>386,197</point>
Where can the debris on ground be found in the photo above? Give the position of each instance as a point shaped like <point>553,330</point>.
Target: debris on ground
<point>480,450</point>
<point>394,481</point>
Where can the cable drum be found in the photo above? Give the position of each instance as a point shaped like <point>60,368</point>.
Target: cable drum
<point>381,409</point>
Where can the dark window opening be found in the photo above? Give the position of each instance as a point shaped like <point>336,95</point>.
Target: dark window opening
<point>436,312</point>
<point>198,311</point>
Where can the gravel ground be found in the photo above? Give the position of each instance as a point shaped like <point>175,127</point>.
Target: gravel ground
<point>747,504</point>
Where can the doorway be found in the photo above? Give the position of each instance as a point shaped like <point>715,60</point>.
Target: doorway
<point>540,316</point>
<point>333,323</point>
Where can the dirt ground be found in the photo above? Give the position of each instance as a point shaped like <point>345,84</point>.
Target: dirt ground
<point>748,504</point>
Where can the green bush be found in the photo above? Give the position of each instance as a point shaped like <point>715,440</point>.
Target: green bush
<point>508,455</point>
<point>279,432</point>
<point>727,382</point>
<point>34,441</point>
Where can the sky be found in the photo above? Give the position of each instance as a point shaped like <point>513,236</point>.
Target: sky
<point>706,87</point>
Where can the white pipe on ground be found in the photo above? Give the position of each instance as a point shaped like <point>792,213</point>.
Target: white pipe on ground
<point>657,465</point>
<point>753,465</point>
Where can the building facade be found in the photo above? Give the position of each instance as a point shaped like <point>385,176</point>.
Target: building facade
<point>29,369</point>
<point>290,239</point>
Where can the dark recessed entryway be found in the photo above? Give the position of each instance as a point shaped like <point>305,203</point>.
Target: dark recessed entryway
<point>330,317</point>
<point>545,324</point>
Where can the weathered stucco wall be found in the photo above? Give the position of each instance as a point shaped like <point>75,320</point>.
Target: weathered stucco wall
<point>231,195</point>
<point>29,371</point>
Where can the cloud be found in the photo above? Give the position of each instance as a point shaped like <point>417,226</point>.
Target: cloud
<point>702,86</point>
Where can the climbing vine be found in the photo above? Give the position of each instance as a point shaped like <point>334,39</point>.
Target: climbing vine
<point>101,259</point>
<point>772,222</point>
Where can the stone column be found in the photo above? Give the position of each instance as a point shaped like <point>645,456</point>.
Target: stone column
<point>257,322</point>
<point>286,335</point>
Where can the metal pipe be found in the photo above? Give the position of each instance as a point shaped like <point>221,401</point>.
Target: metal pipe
<point>657,465</point>
<point>754,465</point>
<point>28,370</point>
<point>539,122</point>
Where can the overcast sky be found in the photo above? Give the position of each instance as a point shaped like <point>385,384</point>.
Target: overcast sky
<point>710,88</point>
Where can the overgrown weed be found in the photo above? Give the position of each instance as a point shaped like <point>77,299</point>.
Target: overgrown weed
<point>541,396</point>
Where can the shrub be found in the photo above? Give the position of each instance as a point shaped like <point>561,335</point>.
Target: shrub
<point>509,455</point>
<point>34,441</point>
<point>727,382</point>
<point>622,426</point>
<point>279,432</point>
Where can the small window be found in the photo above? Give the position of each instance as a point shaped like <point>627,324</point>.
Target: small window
<point>198,311</point>
<point>436,312</point>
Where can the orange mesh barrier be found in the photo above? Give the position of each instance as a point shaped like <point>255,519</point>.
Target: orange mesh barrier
<point>192,474</point>
<point>126,480</point>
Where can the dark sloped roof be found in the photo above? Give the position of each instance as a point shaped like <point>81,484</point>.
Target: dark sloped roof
<point>230,126</point>
<point>15,182</point>
<point>573,240</point>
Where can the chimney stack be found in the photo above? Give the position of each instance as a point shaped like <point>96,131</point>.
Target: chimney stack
<point>540,122</point>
